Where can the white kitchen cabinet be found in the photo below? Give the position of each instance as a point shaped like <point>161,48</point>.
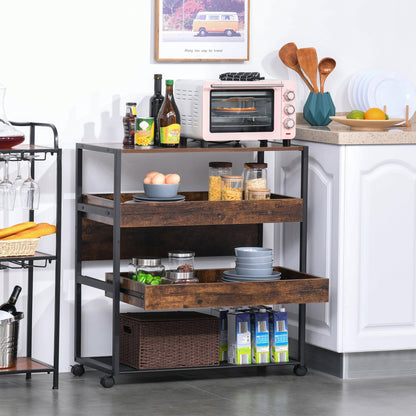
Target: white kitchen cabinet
<point>362,235</point>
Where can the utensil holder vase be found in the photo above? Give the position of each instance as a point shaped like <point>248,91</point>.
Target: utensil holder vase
<point>318,108</point>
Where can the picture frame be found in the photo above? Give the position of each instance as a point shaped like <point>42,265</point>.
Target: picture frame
<point>193,30</point>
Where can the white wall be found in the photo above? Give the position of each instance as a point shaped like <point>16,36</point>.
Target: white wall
<point>76,63</point>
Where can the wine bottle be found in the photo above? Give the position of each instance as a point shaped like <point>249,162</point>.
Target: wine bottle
<point>9,306</point>
<point>156,101</point>
<point>169,119</point>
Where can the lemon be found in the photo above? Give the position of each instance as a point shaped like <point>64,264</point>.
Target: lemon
<point>356,114</point>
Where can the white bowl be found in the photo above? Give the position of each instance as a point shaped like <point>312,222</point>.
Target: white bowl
<point>254,272</point>
<point>253,252</point>
<point>161,191</point>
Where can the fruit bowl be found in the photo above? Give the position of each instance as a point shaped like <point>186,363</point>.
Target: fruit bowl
<point>161,191</point>
<point>367,125</point>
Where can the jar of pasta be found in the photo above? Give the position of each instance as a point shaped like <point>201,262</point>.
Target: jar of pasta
<point>255,177</point>
<point>231,188</point>
<point>258,194</point>
<point>216,169</point>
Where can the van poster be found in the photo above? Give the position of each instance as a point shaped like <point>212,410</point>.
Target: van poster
<point>202,30</point>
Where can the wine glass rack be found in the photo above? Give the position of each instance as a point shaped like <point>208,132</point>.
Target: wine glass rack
<point>29,364</point>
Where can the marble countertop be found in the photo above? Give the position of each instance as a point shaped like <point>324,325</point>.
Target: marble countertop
<point>339,134</point>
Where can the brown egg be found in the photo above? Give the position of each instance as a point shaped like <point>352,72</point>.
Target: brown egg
<point>172,178</point>
<point>147,179</point>
<point>151,174</point>
<point>158,179</point>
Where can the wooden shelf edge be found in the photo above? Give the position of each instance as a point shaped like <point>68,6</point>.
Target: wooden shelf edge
<point>25,365</point>
<point>294,287</point>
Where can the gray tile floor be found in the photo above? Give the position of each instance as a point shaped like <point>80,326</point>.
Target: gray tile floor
<point>276,392</point>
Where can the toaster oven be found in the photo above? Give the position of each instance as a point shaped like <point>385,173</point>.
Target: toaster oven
<point>236,110</point>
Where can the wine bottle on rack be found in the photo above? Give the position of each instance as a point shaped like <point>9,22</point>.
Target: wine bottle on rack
<point>156,101</point>
<point>9,306</point>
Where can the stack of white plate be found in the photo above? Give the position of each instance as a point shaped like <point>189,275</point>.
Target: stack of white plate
<point>379,88</point>
<point>252,264</point>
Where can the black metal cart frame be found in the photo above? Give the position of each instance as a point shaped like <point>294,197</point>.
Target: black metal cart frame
<point>111,365</point>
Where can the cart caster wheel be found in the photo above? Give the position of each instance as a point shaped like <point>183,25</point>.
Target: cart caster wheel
<point>107,381</point>
<point>300,370</point>
<point>77,370</point>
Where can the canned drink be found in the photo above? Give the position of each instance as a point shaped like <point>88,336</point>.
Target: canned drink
<point>144,132</point>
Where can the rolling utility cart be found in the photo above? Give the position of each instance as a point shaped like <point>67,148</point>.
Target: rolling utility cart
<point>111,226</point>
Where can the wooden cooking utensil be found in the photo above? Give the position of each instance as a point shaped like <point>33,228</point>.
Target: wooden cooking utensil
<point>325,67</point>
<point>308,61</point>
<point>288,55</point>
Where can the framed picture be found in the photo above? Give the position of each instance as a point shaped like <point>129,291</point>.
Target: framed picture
<point>202,30</point>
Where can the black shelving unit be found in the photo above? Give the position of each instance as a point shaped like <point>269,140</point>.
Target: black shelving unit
<point>34,264</point>
<point>113,215</point>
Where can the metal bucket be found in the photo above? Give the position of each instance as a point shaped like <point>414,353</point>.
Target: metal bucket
<point>9,334</point>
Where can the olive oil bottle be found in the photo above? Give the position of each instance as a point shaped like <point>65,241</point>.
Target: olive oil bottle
<point>169,119</point>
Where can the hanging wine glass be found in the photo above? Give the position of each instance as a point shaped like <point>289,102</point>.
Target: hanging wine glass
<point>7,192</point>
<point>29,191</point>
<point>18,180</point>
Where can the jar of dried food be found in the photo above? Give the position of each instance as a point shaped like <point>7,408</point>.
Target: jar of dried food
<point>216,169</point>
<point>258,194</point>
<point>255,176</point>
<point>231,188</point>
<point>148,265</point>
<point>181,260</point>
<point>179,277</point>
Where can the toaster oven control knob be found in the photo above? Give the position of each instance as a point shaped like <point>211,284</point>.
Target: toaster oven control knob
<point>289,95</point>
<point>289,123</point>
<point>290,109</point>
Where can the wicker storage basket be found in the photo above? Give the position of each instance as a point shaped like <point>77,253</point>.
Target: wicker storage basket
<point>154,340</point>
<point>17,248</point>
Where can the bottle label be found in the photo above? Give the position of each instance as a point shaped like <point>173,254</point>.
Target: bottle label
<point>170,134</point>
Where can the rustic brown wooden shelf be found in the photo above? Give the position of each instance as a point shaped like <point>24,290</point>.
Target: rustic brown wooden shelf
<point>193,147</point>
<point>24,364</point>
<point>210,292</point>
<point>196,210</point>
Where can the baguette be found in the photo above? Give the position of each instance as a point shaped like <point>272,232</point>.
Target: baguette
<point>17,228</point>
<point>39,230</point>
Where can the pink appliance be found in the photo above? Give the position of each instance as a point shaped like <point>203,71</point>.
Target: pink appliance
<point>236,110</point>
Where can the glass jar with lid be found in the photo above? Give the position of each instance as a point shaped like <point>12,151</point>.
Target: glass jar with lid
<point>179,277</point>
<point>181,260</point>
<point>231,188</point>
<point>148,265</point>
<point>258,194</point>
<point>216,170</point>
<point>255,176</point>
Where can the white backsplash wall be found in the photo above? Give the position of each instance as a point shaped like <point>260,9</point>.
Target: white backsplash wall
<point>75,64</point>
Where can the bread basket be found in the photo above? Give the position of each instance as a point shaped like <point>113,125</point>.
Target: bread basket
<point>18,248</point>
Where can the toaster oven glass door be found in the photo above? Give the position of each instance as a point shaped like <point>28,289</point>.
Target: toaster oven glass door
<point>235,111</point>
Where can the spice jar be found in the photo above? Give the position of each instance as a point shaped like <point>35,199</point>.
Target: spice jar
<point>216,169</point>
<point>179,277</point>
<point>258,194</point>
<point>255,177</point>
<point>180,260</point>
<point>148,265</point>
<point>231,188</point>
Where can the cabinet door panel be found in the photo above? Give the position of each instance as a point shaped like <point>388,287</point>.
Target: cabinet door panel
<point>380,266</point>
